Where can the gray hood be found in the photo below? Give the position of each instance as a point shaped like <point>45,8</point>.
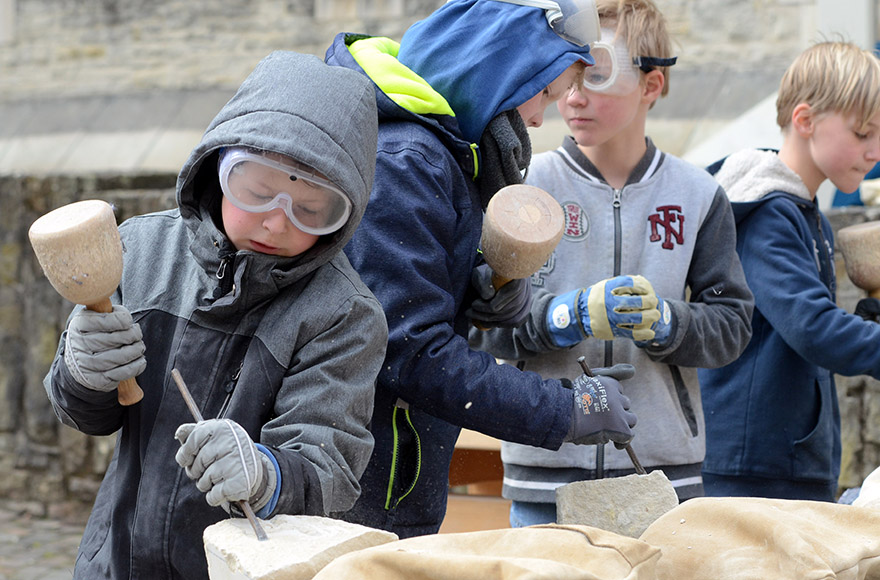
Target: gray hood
<point>293,104</point>
<point>751,174</point>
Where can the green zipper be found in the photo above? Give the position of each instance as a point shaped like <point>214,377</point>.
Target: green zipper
<point>395,456</point>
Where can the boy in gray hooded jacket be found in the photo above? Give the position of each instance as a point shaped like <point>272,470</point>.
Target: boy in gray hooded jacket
<point>245,290</point>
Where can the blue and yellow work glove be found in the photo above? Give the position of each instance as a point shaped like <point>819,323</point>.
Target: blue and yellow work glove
<point>624,306</point>
<point>601,411</point>
<point>226,465</point>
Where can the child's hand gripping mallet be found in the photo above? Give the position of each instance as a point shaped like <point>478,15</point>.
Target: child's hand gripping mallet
<point>197,415</point>
<point>521,228</point>
<point>79,249</point>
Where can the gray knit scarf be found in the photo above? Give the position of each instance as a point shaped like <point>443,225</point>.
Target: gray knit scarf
<point>506,151</point>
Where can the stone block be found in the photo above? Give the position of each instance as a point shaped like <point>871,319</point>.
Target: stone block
<point>298,547</point>
<point>623,505</point>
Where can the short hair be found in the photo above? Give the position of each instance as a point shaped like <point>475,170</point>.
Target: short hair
<point>831,76</point>
<point>641,24</point>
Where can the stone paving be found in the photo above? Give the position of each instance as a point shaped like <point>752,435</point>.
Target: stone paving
<point>38,547</point>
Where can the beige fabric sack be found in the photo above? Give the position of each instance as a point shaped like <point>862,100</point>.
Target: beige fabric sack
<point>758,539</point>
<point>557,552</point>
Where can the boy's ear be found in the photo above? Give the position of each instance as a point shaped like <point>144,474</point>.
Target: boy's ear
<point>653,86</point>
<point>802,119</point>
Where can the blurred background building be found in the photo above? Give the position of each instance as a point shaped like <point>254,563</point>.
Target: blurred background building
<point>129,85</point>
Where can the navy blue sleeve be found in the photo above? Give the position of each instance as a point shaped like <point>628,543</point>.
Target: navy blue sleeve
<point>779,260</point>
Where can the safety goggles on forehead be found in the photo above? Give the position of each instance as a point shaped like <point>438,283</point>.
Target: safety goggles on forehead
<point>614,71</point>
<point>257,183</point>
<point>577,21</point>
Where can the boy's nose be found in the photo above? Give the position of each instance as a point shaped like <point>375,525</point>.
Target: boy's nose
<point>577,96</point>
<point>536,120</point>
<point>874,151</point>
<point>275,220</point>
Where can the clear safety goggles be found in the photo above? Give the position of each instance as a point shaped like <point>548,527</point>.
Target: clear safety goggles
<point>614,71</point>
<point>257,183</point>
<point>577,21</point>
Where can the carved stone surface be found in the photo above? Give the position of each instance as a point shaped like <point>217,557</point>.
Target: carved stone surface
<point>297,548</point>
<point>624,505</point>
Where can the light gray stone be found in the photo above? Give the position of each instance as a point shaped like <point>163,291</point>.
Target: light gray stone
<point>298,547</point>
<point>623,505</point>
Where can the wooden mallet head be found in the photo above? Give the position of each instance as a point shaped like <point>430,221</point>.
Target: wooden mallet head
<point>79,249</point>
<point>521,228</point>
<point>860,246</point>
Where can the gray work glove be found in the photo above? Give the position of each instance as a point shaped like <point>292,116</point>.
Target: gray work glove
<point>601,411</point>
<point>220,457</point>
<point>103,348</point>
<point>505,307</point>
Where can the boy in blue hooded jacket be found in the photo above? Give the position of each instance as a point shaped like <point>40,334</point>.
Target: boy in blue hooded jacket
<point>455,97</point>
<point>772,418</point>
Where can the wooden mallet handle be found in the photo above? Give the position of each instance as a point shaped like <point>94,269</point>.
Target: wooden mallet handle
<point>129,391</point>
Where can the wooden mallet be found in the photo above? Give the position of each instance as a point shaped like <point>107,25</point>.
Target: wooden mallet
<point>79,249</point>
<point>521,228</point>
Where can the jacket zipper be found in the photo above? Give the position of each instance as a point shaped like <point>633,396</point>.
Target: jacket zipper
<point>229,387</point>
<point>823,248</point>
<point>618,244</point>
<point>401,407</point>
<point>615,203</point>
<point>226,282</point>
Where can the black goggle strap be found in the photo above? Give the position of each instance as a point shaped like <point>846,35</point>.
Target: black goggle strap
<point>649,63</point>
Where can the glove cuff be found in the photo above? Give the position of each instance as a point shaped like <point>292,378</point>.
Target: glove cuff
<point>563,319</point>
<point>663,329</point>
<point>70,361</point>
<point>265,498</point>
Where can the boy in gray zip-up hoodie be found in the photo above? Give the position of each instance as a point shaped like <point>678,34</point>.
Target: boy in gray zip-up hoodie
<point>646,272</point>
<point>245,290</point>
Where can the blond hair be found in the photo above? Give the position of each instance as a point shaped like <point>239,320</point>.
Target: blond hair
<point>835,77</point>
<point>641,24</point>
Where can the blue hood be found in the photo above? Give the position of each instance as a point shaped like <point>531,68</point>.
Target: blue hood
<point>487,57</point>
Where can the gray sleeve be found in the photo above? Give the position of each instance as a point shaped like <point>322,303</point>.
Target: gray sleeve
<point>714,325</point>
<point>526,341</point>
<point>323,409</point>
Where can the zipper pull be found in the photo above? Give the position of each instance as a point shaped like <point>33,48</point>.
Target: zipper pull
<point>221,270</point>
<point>228,388</point>
<point>616,201</point>
<point>230,384</point>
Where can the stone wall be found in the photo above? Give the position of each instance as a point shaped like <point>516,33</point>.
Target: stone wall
<point>41,460</point>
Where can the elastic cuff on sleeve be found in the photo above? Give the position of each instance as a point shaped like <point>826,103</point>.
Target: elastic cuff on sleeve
<point>267,509</point>
<point>563,319</point>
